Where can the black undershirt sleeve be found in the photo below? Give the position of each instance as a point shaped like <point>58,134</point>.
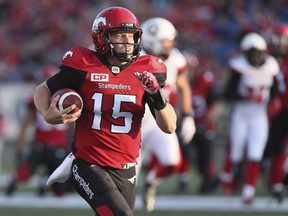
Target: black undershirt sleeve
<point>66,78</point>
<point>230,92</point>
<point>274,88</point>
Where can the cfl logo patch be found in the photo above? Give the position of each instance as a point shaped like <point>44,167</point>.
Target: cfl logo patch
<point>97,77</point>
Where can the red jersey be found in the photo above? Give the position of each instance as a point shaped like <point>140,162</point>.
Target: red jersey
<point>108,130</point>
<point>47,134</point>
<point>283,84</point>
<point>202,95</point>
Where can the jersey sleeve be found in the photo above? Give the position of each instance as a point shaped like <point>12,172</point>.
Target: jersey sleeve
<point>71,74</point>
<point>66,78</point>
<point>74,58</point>
<point>180,60</point>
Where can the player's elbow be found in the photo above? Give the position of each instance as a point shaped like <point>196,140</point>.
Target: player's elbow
<point>171,129</point>
<point>166,119</point>
<point>168,128</point>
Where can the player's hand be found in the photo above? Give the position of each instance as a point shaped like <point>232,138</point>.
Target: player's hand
<point>188,129</point>
<point>54,116</point>
<point>148,81</point>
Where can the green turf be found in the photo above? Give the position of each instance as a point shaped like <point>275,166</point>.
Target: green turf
<point>67,212</point>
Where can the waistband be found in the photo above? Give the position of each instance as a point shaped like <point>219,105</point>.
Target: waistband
<point>128,165</point>
<point>124,166</point>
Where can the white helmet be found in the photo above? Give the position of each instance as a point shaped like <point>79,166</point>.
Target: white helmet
<point>253,40</point>
<point>154,31</point>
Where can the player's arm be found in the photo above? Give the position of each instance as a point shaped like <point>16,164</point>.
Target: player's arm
<point>166,118</point>
<point>185,93</point>
<point>164,113</point>
<point>49,111</point>
<point>21,141</point>
<point>28,119</point>
<point>187,124</point>
<point>68,77</point>
<point>230,92</point>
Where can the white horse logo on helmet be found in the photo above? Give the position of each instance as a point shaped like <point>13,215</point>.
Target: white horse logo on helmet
<point>97,21</point>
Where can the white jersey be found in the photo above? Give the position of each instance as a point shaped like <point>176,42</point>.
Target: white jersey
<point>249,124</point>
<point>164,146</point>
<point>254,80</point>
<point>175,63</point>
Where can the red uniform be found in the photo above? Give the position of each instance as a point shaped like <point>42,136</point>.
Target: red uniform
<point>203,98</point>
<point>48,148</point>
<point>276,147</point>
<point>283,87</point>
<point>113,106</point>
<point>47,134</point>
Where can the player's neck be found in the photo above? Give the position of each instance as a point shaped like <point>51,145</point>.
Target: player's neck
<point>114,61</point>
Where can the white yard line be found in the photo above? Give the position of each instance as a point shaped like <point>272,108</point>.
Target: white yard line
<point>201,203</point>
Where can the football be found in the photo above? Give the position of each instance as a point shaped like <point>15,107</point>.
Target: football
<point>67,98</point>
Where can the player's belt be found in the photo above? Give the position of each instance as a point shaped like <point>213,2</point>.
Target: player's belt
<point>128,165</point>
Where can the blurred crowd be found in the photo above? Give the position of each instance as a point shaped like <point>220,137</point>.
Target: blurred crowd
<point>36,32</point>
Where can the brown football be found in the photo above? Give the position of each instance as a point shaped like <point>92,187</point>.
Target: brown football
<point>67,98</point>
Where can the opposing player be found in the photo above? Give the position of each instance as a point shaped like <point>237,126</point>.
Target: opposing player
<point>159,39</point>
<point>207,107</point>
<point>48,148</point>
<point>115,84</point>
<point>252,78</point>
<point>277,143</point>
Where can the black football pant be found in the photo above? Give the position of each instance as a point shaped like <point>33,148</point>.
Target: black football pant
<point>278,133</point>
<point>109,191</point>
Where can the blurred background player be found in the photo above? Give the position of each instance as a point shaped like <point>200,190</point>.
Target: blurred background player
<point>277,143</point>
<point>164,151</point>
<point>49,146</point>
<point>206,107</point>
<point>1,140</point>
<point>252,79</point>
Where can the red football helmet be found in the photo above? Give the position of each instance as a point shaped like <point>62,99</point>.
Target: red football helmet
<point>279,40</point>
<point>115,19</point>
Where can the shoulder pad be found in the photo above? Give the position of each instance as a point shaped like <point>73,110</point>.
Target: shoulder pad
<point>75,57</point>
<point>272,65</point>
<point>154,64</point>
<point>239,64</point>
<point>178,59</point>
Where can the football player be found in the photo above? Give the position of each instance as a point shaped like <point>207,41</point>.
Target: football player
<point>207,107</point>
<point>277,143</point>
<point>48,147</point>
<point>115,83</point>
<point>252,78</point>
<point>159,36</point>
